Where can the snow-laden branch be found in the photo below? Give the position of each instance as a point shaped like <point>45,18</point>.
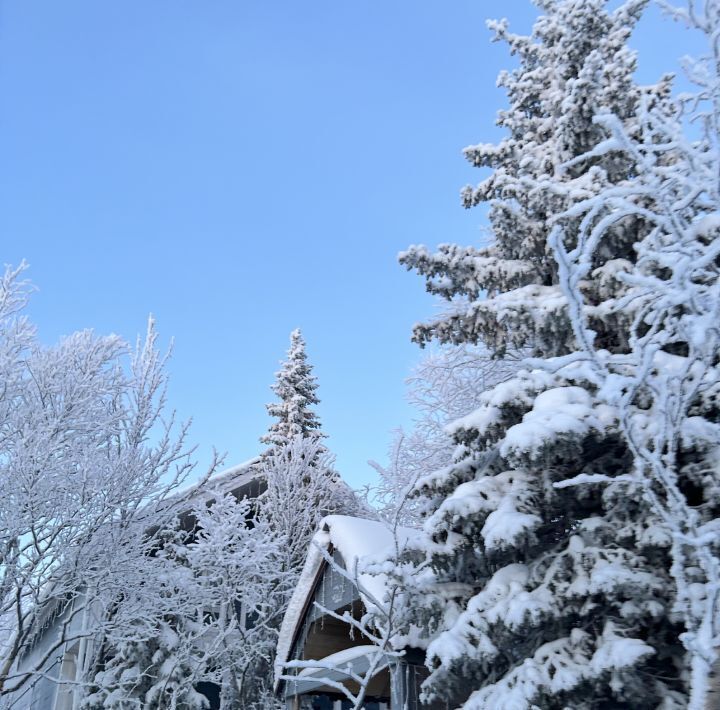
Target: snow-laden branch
<point>672,298</point>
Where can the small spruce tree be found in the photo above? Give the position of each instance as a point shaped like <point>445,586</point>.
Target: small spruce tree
<point>295,386</point>
<point>148,669</point>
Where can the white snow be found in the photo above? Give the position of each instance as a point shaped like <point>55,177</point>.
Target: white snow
<point>557,411</point>
<point>618,652</point>
<point>222,482</point>
<point>504,525</point>
<point>364,542</point>
<point>346,656</point>
<point>503,495</point>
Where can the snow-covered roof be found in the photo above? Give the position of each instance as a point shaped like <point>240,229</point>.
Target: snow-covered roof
<point>232,479</point>
<point>358,540</point>
<point>229,479</point>
<point>236,479</point>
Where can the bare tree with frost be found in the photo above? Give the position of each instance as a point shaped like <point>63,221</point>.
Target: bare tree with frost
<point>445,385</point>
<point>302,488</point>
<point>235,559</point>
<point>207,614</point>
<point>89,459</point>
<point>214,596</point>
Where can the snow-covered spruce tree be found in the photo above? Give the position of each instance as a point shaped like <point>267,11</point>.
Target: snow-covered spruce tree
<point>295,387</point>
<point>574,63</point>
<point>536,592</point>
<point>302,483</point>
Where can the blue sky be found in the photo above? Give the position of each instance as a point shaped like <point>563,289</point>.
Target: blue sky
<point>242,168</point>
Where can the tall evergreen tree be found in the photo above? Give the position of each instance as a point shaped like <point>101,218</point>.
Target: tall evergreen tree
<point>295,386</point>
<point>575,63</point>
<point>538,592</point>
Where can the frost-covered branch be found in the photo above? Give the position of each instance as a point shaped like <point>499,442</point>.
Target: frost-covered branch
<point>662,387</point>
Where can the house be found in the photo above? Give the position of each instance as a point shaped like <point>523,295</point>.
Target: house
<point>308,632</point>
<point>320,653</point>
<point>53,688</point>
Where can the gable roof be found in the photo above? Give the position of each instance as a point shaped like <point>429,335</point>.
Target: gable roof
<point>242,480</point>
<point>357,540</point>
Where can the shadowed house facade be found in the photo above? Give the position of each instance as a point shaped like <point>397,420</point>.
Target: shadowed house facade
<point>333,652</point>
<point>54,687</point>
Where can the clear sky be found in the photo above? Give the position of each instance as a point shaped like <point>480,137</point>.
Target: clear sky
<point>240,168</point>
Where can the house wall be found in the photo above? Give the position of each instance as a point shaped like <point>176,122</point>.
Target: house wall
<point>333,592</point>
<point>40,692</point>
<point>713,702</point>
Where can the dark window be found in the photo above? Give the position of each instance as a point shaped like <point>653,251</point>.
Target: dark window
<point>212,692</point>
<point>322,702</point>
